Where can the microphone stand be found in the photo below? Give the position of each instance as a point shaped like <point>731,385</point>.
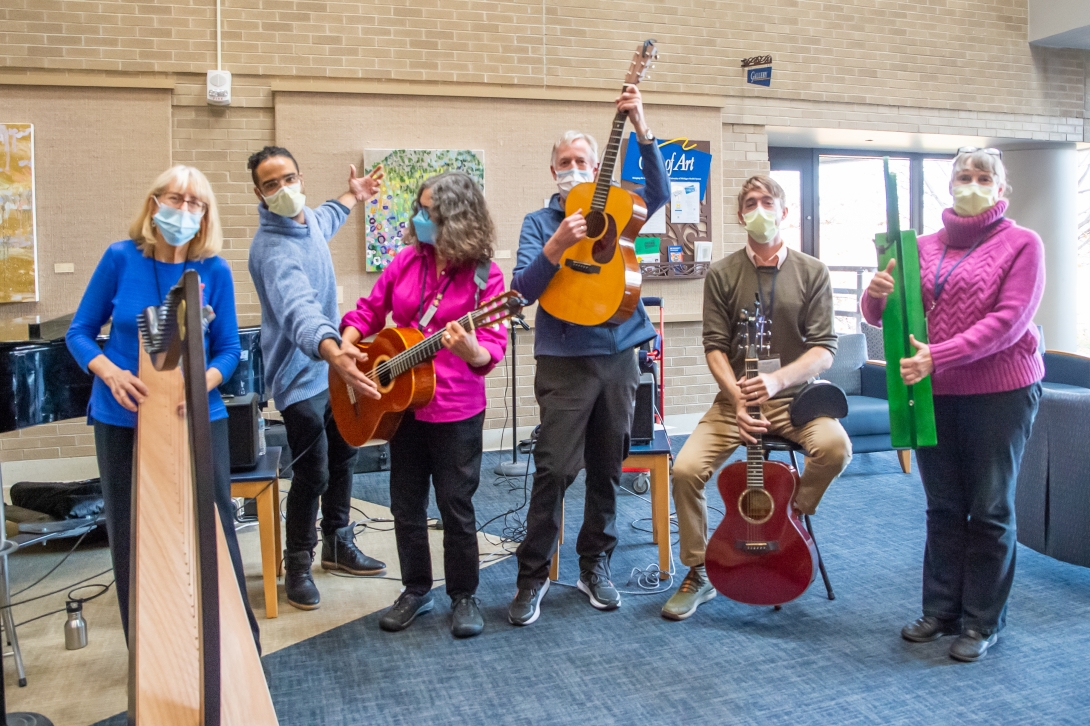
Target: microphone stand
<point>513,468</point>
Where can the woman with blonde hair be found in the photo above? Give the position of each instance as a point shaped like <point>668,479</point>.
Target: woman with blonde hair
<point>438,278</point>
<point>177,229</point>
<point>982,277</point>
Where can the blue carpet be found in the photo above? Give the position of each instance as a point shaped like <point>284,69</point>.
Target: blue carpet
<point>815,661</point>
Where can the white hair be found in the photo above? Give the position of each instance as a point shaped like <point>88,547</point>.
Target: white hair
<point>569,138</point>
<point>981,160</point>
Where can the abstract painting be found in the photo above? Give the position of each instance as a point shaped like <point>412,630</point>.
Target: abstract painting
<point>388,214</point>
<point>18,241</point>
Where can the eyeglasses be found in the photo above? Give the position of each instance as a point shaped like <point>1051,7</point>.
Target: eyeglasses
<point>271,185</point>
<point>179,201</point>
<point>970,149</point>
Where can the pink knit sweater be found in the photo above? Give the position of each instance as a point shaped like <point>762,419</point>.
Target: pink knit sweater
<point>982,335</point>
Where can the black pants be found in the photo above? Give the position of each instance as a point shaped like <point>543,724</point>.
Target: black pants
<point>447,455</point>
<point>586,418</point>
<point>970,480</point>
<point>114,446</point>
<point>322,472</point>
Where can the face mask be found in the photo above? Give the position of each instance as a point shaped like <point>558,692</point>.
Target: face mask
<point>288,201</point>
<point>972,199</point>
<point>177,226</point>
<point>762,225</point>
<point>567,179</point>
<point>424,227</point>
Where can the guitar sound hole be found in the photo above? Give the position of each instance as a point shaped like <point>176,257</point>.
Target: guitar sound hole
<point>756,506</point>
<point>596,224</point>
<point>606,246</point>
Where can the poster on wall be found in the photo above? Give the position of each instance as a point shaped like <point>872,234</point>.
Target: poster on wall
<point>18,237</point>
<point>388,214</point>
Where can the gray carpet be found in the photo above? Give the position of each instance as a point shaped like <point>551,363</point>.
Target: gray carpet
<point>815,661</point>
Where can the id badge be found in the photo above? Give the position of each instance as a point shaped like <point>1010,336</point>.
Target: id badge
<point>768,365</point>
<point>430,313</point>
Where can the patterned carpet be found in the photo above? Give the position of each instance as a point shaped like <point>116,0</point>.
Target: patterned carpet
<point>816,661</point>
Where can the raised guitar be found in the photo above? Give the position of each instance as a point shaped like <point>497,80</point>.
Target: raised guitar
<point>599,278</point>
<point>760,554</point>
<point>399,360</point>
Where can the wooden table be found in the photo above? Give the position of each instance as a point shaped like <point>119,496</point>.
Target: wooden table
<point>263,485</point>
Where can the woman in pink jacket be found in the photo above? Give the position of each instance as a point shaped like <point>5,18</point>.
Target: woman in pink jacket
<point>982,277</point>
<point>429,285</point>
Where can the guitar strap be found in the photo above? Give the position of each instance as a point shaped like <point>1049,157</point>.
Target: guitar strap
<point>480,276</point>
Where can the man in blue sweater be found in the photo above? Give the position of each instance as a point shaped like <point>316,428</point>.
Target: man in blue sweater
<point>300,339</point>
<point>585,383</point>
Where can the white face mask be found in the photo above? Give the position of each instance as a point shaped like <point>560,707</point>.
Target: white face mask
<point>973,199</point>
<point>288,201</point>
<point>762,225</point>
<point>567,179</point>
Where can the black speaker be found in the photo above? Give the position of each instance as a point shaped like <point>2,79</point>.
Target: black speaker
<point>242,416</point>
<point>643,422</point>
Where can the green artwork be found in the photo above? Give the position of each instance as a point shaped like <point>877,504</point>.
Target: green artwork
<point>388,214</point>
<point>911,408</point>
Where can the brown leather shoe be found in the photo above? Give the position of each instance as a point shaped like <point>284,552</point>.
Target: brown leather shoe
<point>972,646</point>
<point>928,628</point>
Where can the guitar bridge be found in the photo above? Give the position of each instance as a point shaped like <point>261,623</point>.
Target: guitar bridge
<point>757,547</point>
<point>583,267</point>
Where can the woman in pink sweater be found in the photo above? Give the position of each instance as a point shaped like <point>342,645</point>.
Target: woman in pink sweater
<point>982,278</point>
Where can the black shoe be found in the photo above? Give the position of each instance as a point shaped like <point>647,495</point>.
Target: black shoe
<point>298,582</point>
<point>526,607</point>
<point>599,589</point>
<point>404,611</point>
<point>466,619</point>
<point>928,628</point>
<point>339,552</point>
<point>972,646</point>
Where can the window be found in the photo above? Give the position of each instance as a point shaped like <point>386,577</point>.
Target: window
<point>1082,314</point>
<point>791,229</point>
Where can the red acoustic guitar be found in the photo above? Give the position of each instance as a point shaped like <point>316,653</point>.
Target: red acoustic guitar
<point>399,360</point>
<point>760,554</point>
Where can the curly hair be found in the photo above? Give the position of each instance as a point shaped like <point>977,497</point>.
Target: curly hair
<point>464,229</point>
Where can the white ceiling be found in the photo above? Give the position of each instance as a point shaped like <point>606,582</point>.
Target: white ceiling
<point>817,138</point>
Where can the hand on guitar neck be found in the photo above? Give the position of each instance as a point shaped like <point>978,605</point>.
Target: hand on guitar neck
<point>343,359</point>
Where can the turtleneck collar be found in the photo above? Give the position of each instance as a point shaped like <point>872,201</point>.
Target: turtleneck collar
<point>272,222</point>
<point>966,231</point>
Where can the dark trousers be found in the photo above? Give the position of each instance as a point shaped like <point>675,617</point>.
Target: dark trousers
<point>970,480</point>
<point>586,409</point>
<point>322,472</point>
<point>114,446</point>
<point>447,455</point>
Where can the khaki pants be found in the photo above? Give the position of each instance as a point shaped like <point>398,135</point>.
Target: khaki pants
<point>716,437</point>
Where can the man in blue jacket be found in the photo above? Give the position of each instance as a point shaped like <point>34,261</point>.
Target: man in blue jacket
<point>300,340</point>
<point>585,383</point>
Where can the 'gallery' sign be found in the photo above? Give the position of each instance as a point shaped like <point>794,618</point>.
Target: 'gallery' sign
<point>758,70</point>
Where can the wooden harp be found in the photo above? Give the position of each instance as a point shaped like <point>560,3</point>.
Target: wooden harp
<point>192,657</point>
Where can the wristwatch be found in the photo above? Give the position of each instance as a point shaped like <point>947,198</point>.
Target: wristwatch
<point>647,137</point>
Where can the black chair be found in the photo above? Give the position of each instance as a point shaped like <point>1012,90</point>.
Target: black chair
<point>777,443</point>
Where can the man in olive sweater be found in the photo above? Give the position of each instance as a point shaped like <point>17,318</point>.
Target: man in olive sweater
<point>797,298</point>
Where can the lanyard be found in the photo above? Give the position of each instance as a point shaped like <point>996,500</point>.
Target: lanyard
<point>427,316</point>
<point>940,285</point>
<point>771,294</point>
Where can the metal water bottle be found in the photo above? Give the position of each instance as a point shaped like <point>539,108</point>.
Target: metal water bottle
<point>75,628</point>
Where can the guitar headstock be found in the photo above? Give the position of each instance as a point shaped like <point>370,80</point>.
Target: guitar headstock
<point>497,310</point>
<point>755,333</point>
<point>642,62</point>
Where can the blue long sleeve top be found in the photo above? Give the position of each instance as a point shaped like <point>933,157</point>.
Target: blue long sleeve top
<point>122,286</point>
<point>296,285</point>
<point>533,271</point>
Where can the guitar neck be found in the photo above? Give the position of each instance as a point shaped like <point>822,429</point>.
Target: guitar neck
<point>755,455</point>
<point>609,163</point>
<point>422,352</point>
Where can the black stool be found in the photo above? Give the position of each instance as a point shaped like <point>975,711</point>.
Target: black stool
<point>778,443</point>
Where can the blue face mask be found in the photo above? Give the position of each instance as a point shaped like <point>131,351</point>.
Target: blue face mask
<point>424,227</point>
<point>177,226</point>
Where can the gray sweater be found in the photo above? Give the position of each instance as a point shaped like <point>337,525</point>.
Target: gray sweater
<point>293,272</point>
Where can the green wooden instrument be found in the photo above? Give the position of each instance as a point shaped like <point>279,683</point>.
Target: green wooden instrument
<point>911,408</point>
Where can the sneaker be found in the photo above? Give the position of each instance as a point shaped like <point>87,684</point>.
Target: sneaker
<point>404,611</point>
<point>695,590</point>
<point>972,646</point>
<point>466,619</point>
<point>526,607</point>
<point>339,552</point>
<point>298,582</point>
<point>929,628</point>
<point>599,589</point>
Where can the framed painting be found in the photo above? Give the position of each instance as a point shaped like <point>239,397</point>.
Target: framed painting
<point>18,235</point>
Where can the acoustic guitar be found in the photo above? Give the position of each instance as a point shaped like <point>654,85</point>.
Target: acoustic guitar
<point>760,554</point>
<point>599,278</point>
<point>399,360</point>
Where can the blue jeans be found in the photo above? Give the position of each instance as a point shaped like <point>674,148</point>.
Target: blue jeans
<point>970,480</point>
